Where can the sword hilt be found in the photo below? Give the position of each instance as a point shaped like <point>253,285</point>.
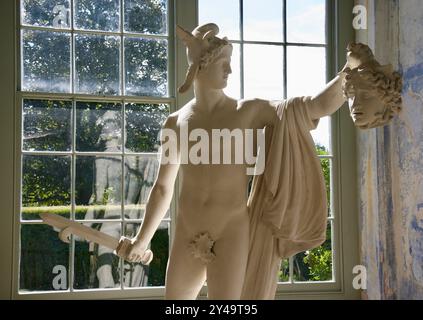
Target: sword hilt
<point>124,247</point>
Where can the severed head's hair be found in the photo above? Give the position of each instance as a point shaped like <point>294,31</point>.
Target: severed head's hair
<point>387,85</point>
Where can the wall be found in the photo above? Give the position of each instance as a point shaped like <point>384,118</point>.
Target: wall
<point>390,161</point>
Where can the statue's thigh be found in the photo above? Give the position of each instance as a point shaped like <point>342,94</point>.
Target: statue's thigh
<point>185,274</point>
<point>225,275</point>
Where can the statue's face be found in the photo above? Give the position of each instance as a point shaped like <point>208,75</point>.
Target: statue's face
<point>215,75</point>
<point>366,107</point>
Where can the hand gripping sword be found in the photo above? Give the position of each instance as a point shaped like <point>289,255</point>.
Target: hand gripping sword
<point>120,247</point>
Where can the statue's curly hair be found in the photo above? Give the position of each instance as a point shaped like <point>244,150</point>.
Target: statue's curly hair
<point>388,88</point>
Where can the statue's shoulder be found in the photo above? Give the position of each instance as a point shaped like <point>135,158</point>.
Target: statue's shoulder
<point>172,120</point>
<point>179,116</point>
<point>252,103</point>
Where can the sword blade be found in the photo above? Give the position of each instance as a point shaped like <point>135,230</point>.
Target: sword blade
<point>80,230</point>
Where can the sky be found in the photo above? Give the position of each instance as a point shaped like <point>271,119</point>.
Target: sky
<point>263,64</point>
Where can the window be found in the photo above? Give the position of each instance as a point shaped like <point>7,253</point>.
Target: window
<point>93,87</point>
<point>95,91</point>
<point>280,51</point>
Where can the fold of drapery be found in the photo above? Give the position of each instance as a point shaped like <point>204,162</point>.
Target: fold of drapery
<point>287,204</point>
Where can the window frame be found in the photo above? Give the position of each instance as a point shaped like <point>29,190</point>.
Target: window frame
<point>185,14</point>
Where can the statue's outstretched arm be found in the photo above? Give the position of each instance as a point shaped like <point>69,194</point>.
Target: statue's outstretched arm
<point>329,100</point>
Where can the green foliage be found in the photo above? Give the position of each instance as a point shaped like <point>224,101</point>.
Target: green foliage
<point>315,264</point>
<point>319,261</point>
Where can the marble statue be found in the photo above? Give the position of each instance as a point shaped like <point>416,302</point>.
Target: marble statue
<point>222,236</point>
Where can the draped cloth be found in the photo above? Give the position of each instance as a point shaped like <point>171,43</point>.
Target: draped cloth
<point>287,205</point>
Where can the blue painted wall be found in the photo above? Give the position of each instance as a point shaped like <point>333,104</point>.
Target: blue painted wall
<point>391,164</point>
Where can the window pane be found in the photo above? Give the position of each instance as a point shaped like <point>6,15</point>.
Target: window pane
<point>283,274</point>
<point>316,264</point>
<point>98,187</point>
<point>222,12</point>
<point>234,82</point>
<point>307,76</point>
<point>146,16</point>
<point>44,260</point>
<point>98,126</point>
<point>306,21</point>
<point>146,67</point>
<point>47,125</point>
<point>143,125</point>
<point>46,13</point>
<point>140,175</point>
<point>263,20</point>
<point>137,275</point>
<point>96,266</point>
<point>263,77</point>
<point>45,61</point>
<point>97,64</point>
<point>45,186</point>
<point>321,135</point>
<point>326,168</point>
<point>306,70</point>
<point>97,14</point>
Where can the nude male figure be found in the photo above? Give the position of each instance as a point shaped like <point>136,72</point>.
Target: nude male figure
<point>212,207</point>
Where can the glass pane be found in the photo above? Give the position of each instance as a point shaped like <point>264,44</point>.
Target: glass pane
<point>222,12</point>
<point>146,16</point>
<point>140,175</point>
<point>321,135</point>
<point>45,61</point>
<point>283,274</point>
<point>316,264</point>
<point>46,13</point>
<point>97,266</point>
<point>97,64</point>
<point>326,168</point>
<point>44,260</point>
<point>233,88</point>
<point>306,21</point>
<point>306,70</point>
<point>97,15</point>
<point>146,67</point>
<point>143,125</point>
<point>98,187</point>
<point>138,275</point>
<point>263,20</point>
<point>263,77</point>
<point>47,125</point>
<point>98,126</point>
<point>45,186</point>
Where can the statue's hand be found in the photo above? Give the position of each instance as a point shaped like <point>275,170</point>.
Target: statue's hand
<point>359,54</point>
<point>139,252</point>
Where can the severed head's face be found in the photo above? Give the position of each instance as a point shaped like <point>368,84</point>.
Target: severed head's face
<point>374,96</point>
